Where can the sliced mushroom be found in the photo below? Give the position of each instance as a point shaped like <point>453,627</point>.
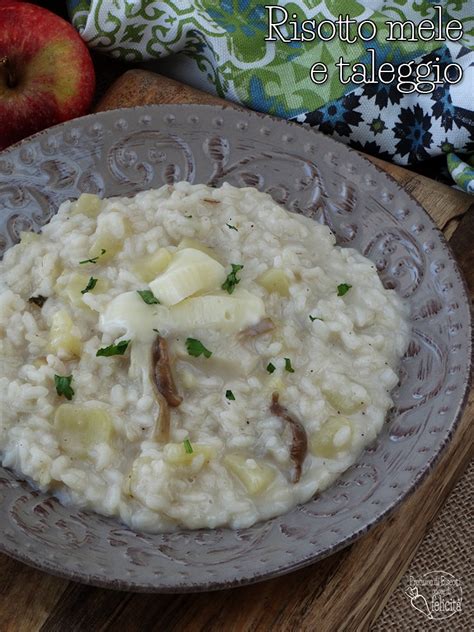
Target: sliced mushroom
<point>163,384</point>
<point>299,445</point>
<point>38,300</point>
<point>262,327</point>
<point>161,430</point>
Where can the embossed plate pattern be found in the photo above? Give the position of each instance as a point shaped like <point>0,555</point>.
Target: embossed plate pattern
<point>124,151</point>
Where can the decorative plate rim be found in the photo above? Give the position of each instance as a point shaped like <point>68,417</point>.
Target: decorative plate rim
<point>131,585</point>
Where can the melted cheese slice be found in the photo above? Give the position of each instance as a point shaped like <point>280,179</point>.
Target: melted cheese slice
<point>191,271</point>
<point>219,310</point>
<point>130,316</point>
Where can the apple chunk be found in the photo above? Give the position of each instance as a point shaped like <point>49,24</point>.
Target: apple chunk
<point>46,72</point>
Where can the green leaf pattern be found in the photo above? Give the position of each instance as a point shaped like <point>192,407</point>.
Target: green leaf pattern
<point>225,43</point>
<point>226,40</point>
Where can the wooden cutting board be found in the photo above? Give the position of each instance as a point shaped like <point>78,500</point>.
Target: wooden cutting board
<point>346,591</point>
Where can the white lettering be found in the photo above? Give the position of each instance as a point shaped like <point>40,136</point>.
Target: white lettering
<point>273,26</point>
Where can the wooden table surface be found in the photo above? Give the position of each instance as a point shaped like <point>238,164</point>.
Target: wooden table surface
<point>346,591</point>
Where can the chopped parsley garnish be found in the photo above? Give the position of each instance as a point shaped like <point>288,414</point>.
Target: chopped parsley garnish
<point>343,288</point>
<point>90,285</point>
<point>270,367</point>
<point>94,259</point>
<point>230,395</point>
<point>232,280</point>
<point>63,386</point>
<point>148,297</point>
<point>188,448</point>
<point>111,350</point>
<point>313,318</point>
<point>232,227</point>
<point>157,332</point>
<point>38,300</point>
<point>196,348</point>
<point>188,216</point>
<point>288,366</point>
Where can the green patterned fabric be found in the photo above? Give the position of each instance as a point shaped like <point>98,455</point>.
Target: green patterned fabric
<point>225,43</point>
<point>462,171</point>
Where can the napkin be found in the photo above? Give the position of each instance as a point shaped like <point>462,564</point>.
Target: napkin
<point>220,45</point>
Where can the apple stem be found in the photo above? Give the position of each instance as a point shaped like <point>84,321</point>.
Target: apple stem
<point>11,76</point>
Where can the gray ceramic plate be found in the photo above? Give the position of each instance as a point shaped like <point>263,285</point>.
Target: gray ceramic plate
<point>124,151</point>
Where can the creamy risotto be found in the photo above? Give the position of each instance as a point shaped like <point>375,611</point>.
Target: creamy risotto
<point>191,357</point>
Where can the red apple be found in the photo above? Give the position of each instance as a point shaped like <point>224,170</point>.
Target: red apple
<point>46,72</point>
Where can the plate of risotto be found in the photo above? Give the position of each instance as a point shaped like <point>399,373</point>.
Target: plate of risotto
<point>229,346</point>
